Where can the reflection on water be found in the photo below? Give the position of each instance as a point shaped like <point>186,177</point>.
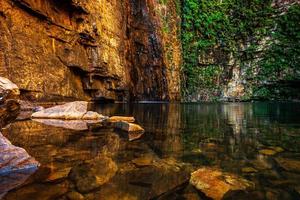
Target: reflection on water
<point>259,141</point>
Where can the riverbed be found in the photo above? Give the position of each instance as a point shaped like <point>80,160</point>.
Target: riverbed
<point>257,141</point>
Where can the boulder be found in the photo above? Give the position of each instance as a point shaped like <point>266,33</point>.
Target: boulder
<point>91,175</point>
<point>215,183</point>
<point>129,127</point>
<point>15,165</point>
<point>120,119</point>
<point>72,110</point>
<point>77,110</point>
<point>8,90</point>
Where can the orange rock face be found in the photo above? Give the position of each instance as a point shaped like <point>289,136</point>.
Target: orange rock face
<point>90,50</point>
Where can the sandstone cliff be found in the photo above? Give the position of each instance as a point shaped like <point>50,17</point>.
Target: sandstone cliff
<point>91,50</point>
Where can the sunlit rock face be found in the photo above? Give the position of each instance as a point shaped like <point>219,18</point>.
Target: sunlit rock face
<point>89,50</point>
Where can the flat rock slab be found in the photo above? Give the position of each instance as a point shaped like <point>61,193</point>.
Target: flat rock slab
<point>76,110</point>
<point>120,119</point>
<point>215,183</point>
<point>16,165</point>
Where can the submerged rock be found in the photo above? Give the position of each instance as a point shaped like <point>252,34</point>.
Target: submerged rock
<point>289,164</point>
<point>268,152</point>
<point>74,110</point>
<point>16,165</point>
<point>249,170</point>
<point>129,127</point>
<point>75,196</point>
<point>91,175</point>
<point>39,191</point>
<point>145,160</point>
<point>215,183</point>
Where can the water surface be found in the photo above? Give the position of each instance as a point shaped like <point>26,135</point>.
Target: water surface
<point>257,141</point>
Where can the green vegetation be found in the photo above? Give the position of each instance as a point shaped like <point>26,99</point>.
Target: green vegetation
<point>218,35</point>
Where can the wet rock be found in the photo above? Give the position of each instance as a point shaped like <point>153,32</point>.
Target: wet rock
<point>268,152</point>
<point>135,136</point>
<point>75,196</point>
<point>249,170</point>
<point>215,183</point>
<point>59,174</point>
<point>120,119</point>
<point>76,110</point>
<point>143,161</point>
<point>129,127</point>
<point>90,115</point>
<point>8,90</point>
<point>91,175</point>
<point>72,110</point>
<point>15,165</point>
<point>289,164</point>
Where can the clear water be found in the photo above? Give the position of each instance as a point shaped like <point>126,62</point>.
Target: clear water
<point>179,138</point>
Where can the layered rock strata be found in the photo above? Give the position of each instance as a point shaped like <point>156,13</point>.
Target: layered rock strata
<point>89,50</point>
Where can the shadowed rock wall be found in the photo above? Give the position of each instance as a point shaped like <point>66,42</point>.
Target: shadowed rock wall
<point>84,49</point>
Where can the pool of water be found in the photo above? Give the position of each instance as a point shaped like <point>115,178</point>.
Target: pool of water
<point>257,141</point>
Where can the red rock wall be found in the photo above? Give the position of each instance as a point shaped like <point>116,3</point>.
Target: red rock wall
<point>85,49</point>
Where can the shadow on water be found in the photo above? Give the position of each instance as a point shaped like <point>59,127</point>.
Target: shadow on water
<point>259,141</point>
